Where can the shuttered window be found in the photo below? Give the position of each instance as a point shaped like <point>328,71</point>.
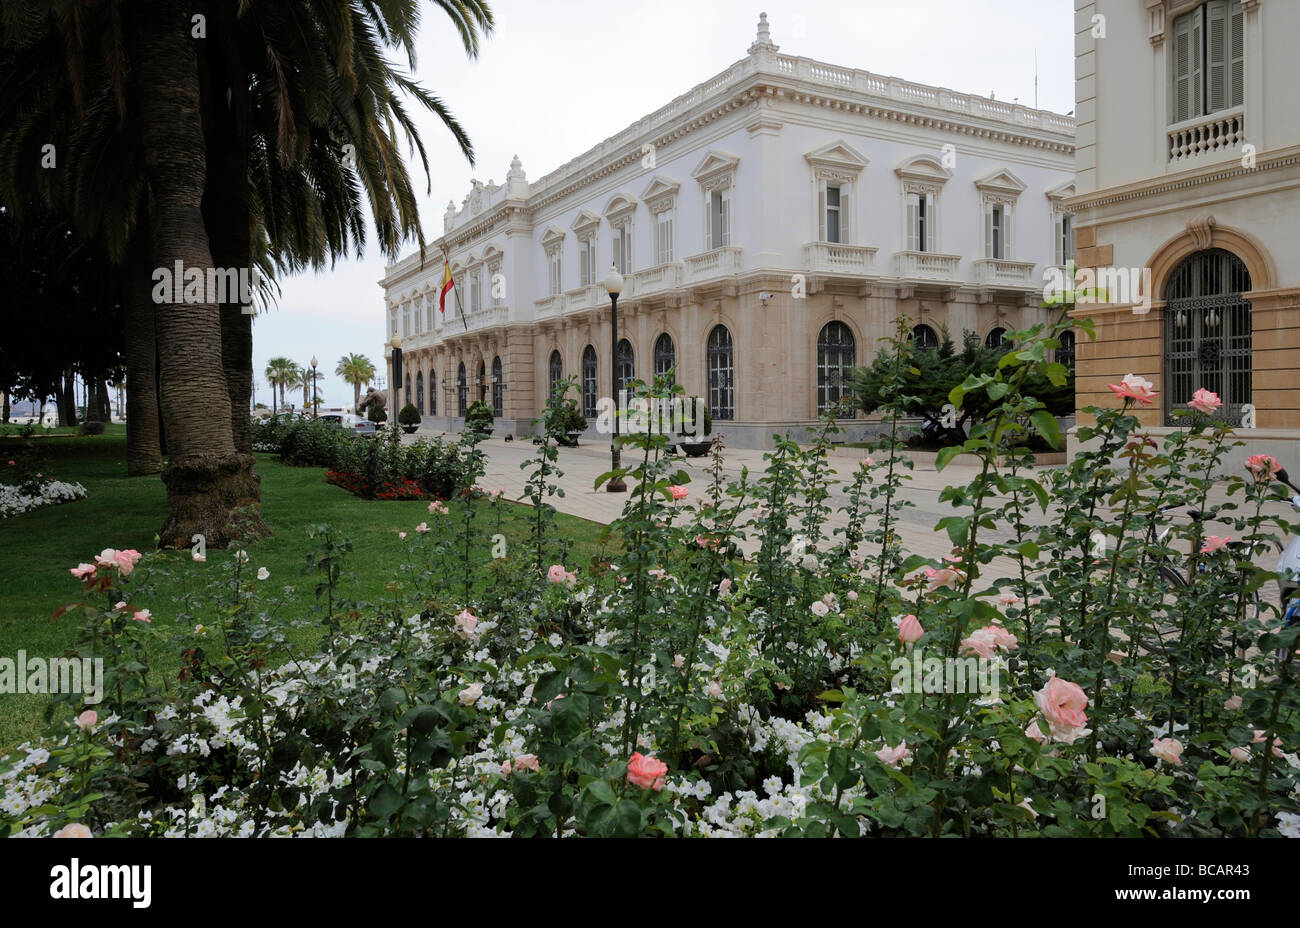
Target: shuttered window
<point>664,237</point>
<point>1209,59</point>
<point>718,209</point>
<point>921,222</point>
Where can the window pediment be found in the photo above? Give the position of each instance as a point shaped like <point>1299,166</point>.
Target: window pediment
<point>923,174</point>
<point>837,161</point>
<point>553,237</point>
<point>585,223</point>
<point>660,194</point>
<point>622,206</point>
<point>718,169</point>
<point>1000,186</point>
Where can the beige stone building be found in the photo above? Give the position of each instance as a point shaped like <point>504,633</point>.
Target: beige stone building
<point>1189,173</point>
<point>769,225</point>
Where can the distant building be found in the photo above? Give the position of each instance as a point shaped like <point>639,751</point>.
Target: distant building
<point>1189,170</point>
<point>769,223</point>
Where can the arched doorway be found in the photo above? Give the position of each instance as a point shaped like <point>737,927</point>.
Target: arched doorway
<point>1207,333</point>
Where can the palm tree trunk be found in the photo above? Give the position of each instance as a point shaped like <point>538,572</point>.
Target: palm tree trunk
<point>212,489</point>
<point>227,215</point>
<point>356,395</point>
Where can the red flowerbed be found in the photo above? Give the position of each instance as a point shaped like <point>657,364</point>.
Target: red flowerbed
<point>402,488</point>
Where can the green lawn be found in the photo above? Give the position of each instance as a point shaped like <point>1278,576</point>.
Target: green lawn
<point>37,548</point>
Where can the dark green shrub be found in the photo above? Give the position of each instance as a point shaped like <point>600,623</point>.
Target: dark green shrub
<point>92,427</point>
<point>568,418</point>
<point>478,417</point>
<point>409,415</point>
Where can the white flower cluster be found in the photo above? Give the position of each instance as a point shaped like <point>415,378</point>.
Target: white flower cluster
<point>13,501</point>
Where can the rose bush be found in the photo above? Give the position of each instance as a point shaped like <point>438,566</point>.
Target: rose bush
<point>673,687</point>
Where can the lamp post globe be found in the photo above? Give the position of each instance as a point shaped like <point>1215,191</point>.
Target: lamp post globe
<point>614,286</point>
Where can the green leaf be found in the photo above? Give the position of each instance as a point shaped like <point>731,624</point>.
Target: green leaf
<point>946,455</point>
<point>1045,424</point>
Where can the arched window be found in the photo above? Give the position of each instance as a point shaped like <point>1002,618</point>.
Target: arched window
<point>835,358</point>
<point>589,382</point>
<point>433,393</point>
<point>924,338</point>
<point>665,356</point>
<point>419,392</point>
<point>407,395</point>
<point>626,368</point>
<point>554,373</point>
<point>1208,333</point>
<point>498,388</point>
<point>462,390</point>
<point>1065,354</point>
<point>721,374</point>
<point>481,383</point>
<point>996,339</point>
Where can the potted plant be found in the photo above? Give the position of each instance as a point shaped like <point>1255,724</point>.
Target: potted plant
<point>568,423</point>
<point>478,418</point>
<point>409,417</point>
<point>689,438</point>
<point>376,414</point>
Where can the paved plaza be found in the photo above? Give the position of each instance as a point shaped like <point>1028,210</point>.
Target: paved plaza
<point>916,523</point>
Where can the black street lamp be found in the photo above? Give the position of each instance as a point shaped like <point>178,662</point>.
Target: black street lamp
<point>614,286</point>
<point>315,400</point>
<point>396,345</point>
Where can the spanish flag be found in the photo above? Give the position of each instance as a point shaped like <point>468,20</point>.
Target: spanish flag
<point>447,284</point>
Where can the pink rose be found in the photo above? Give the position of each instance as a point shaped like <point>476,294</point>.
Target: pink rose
<point>853,596</point>
<point>1233,703</point>
<point>506,768</point>
<point>678,492</point>
<point>892,757</point>
<point>949,577</point>
<point>470,694</point>
<point>144,616</point>
<point>1035,731</point>
<point>422,527</point>
<point>820,609</point>
<point>1135,388</point>
<point>86,721</point>
<point>1240,755</point>
<point>75,830</point>
<point>1205,401</point>
<point>713,690</point>
<point>909,629</point>
<point>83,571</point>
<point>126,560</point>
<point>1008,599</point>
<point>982,641</point>
<point>724,586</point>
<point>401,534</point>
<point>1169,750</point>
<point>1214,543</point>
<point>646,772</point>
<point>527,762</point>
<point>466,622</point>
<point>1062,704</point>
<point>1263,466</point>
<point>1002,638</point>
<point>555,573</point>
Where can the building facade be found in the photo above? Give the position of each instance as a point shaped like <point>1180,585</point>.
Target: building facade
<point>1189,171</point>
<point>769,225</point>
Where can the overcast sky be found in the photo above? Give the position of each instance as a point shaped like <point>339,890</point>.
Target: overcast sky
<point>557,77</point>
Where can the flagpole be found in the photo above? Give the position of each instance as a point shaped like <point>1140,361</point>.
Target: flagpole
<point>455,289</point>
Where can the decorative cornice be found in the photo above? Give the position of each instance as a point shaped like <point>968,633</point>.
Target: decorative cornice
<point>1195,177</point>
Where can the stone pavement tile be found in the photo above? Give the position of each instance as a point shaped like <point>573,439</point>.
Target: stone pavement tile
<point>916,525</point>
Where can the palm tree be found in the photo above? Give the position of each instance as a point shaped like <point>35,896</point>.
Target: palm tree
<point>281,372</point>
<point>355,369</point>
<point>270,101</point>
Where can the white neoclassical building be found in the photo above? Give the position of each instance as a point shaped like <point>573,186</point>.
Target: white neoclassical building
<point>769,223</point>
<point>1189,169</point>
